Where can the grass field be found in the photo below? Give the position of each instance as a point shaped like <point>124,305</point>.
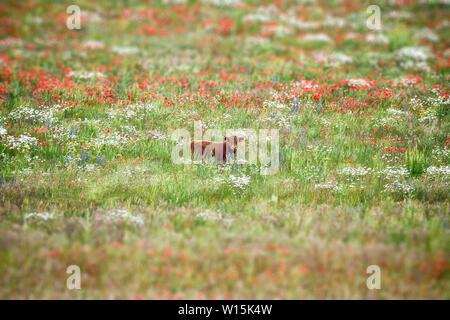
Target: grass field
<point>86,170</point>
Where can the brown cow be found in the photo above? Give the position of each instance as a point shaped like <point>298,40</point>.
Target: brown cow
<point>219,150</point>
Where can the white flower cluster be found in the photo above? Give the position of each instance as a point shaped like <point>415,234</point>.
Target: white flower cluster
<point>239,182</point>
<point>39,216</point>
<point>355,172</point>
<point>3,131</point>
<point>398,187</point>
<point>413,57</point>
<point>330,185</point>
<point>84,75</point>
<point>27,114</point>
<point>439,154</point>
<point>439,171</point>
<point>354,175</point>
<point>129,130</point>
<point>282,122</point>
<point>325,122</point>
<point>122,215</point>
<point>393,172</point>
<point>113,138</point>
<point>395,118</point>
<point>437,99</point>
<point>337,59</point>
<point>396,112</point>
<point>21,143</point>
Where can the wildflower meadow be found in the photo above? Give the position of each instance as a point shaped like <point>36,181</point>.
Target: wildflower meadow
<point>353,94</point>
